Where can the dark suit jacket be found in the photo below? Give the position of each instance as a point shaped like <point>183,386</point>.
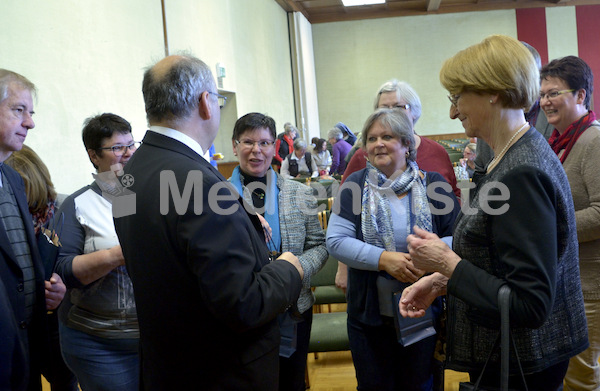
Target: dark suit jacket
<point>206,295</point>
<point>12,277</point>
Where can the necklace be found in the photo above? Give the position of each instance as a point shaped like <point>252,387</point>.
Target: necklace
<point>260,195</point>
<point>498,156</point>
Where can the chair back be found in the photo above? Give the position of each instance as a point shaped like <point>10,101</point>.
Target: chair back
<point>325,276</point>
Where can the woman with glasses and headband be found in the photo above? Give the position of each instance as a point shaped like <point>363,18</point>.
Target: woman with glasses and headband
<point>565,96</point>
<point>99,331</point>
<point>286,205</point>
<point>519,232</point>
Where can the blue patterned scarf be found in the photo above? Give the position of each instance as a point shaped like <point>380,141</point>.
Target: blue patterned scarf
<point>376,215</point>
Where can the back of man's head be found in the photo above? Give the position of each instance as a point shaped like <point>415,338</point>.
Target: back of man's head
<point>9,77</point>
<point>172,87</point>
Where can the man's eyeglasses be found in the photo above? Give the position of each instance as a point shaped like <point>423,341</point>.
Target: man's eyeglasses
<point>222,99</point>
<point>249,144</point>
<point>119,150</point>
<point>453,99</point>
<point>553,94</point>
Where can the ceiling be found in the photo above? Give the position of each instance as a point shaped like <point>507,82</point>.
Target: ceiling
<point>322,11</point>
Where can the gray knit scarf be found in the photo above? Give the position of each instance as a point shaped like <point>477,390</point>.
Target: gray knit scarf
<point>376,214</point>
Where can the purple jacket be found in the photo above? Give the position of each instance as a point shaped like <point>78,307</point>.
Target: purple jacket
<point>338,156</point>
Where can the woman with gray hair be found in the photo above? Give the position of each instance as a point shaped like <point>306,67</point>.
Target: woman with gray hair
<point>300,163</point>
<point>339,150</point>
<point>372,242</point>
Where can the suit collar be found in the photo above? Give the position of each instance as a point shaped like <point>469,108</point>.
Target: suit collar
<point>181,137</point>
<point>161,141</point>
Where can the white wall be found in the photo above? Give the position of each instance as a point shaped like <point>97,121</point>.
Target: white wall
<point>305,81</point>
<point>85,58</point>
<point>88,57</point>
<point>353,59</point>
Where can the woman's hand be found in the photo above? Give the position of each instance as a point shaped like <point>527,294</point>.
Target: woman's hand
<point>399,266</point>
<point>341,276</point>
<point>55,291</point>
<point>419,296</point>
<point>429,253</point>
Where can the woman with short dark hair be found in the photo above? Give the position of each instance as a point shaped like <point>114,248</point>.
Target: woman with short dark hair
<point>99,331</point>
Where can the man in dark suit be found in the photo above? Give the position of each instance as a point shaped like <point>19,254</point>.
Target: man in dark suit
<point>21,269</point>
<point>207,296</point>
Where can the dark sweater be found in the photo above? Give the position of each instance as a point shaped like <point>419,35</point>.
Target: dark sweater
<point>532,247</point>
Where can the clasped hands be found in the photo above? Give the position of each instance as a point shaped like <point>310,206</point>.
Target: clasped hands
<point>430,254</point>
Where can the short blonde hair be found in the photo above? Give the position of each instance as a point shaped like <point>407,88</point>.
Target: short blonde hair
<point>498,65</point>
<point>38,185</point>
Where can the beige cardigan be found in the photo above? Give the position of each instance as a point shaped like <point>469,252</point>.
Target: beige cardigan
<point>583,171</point>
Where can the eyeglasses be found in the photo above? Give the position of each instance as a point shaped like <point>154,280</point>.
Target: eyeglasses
<point>453,99</point>
<point>553,94</point>
<point>222,99</point>
<point>264,145</point>
<point>119,150</point>
<point>405,107</point>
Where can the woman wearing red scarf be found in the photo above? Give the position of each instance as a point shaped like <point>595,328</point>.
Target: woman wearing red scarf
<point>565,94</point>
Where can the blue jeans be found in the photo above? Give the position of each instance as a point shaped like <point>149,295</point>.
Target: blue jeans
<point>382,364</point>
<point>101,364</point>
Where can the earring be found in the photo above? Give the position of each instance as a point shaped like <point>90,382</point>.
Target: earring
<point>491,101</point>
<point>407,154</point>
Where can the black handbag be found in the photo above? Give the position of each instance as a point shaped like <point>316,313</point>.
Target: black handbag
<point>503,303</point>
<point>48,244</point>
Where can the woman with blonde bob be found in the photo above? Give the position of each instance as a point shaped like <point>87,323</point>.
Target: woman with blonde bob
<point>497,243</point>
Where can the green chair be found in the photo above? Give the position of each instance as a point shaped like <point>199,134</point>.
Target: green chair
<point>323,284</point>
<point>329,333</point>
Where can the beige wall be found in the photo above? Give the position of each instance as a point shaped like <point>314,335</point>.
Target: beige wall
<point>87,57</point>
<point>353,59</point>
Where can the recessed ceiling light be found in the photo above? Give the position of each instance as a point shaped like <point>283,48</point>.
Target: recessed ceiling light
<point>351,3</point>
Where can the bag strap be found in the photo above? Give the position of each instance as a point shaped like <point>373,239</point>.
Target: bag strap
<point>504,337</point>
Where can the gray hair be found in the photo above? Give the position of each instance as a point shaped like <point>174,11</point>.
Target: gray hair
<point>404,91</point>
<point>335,133</point>
<point>299,144</point>
<point>174,94</point>
<point>400,125</point>
<point>9,77</point>
<point>289,128</point>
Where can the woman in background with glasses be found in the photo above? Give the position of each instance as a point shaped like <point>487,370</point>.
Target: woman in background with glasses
<point>565,96</point>
<point>285,205</point>
<point>99,331</point>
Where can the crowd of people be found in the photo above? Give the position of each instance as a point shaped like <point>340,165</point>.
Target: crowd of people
<point>210,281</point>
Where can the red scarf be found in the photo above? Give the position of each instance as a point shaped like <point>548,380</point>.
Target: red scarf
<point>565,141</point>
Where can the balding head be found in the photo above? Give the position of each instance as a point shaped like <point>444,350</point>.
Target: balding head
<point>172,88</point>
